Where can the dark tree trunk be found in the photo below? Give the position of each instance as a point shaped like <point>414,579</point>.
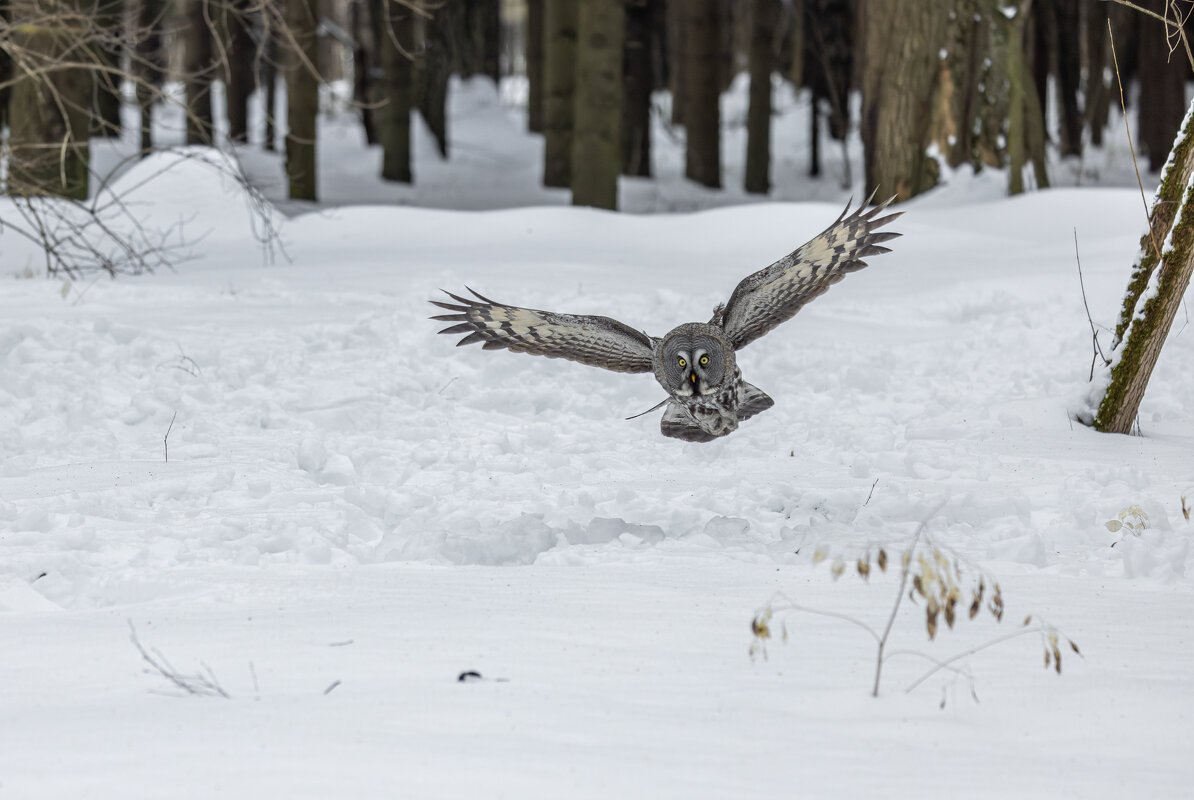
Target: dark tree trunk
<point>148,65</point>
<point>477,39</point>
<point>534,57</point>
<point>302,94</point>
<point>394,90</point>
<point>702,113</point>
<point>560,86</point>
<point>362,64</point>
<point>269,66</point>
<point>637,80</point>
<point>432,72</point>
<point>764,19</point>
<point>109,18</point>
<point>828,48</point>
<point>596,143</point>
<point>677,81</point>
<point>5,66</point>
<point>901,43</point>
<point>814,139</point>
<point>1069,73</point>
<point>199,68</point>
<point>48,114</point>
<point>1098,59</point>
<point>1162,90</point>
<point>238,79</point>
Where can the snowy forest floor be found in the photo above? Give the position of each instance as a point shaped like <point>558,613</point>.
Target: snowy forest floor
<point>354,512</point>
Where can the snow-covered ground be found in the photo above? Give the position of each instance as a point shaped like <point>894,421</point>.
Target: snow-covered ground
<point>354,512</point>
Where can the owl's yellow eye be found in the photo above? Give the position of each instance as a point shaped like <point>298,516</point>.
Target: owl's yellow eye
<point>683,363</point>
<point>704,361</point>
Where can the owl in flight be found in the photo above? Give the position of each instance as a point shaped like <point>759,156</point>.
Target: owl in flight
<point>694,363</point>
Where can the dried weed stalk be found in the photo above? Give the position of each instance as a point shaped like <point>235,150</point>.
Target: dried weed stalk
<point>947,587</point>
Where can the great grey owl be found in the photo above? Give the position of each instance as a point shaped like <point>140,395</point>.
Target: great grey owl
<point>695,363</point>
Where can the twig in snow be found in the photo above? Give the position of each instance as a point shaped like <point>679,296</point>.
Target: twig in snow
<point>332,686</point>
<point>166,438</point>
<point>1094,334</point>
<point>201,684</point>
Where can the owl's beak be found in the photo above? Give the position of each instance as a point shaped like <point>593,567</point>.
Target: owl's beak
<point>692,376</point>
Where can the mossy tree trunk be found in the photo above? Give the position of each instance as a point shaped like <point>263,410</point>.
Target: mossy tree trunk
<point>199,69</point>
<point>49,109</point>
<point>1154,295</point>
<point>596,138</point>
<point>394,90</point>
<point>1026,126</point>
<point>534,59</point>
<point>701,63</point>
<point>637,80</point>
<point>764,19</point>
<point>302,97</point>
<point>559,74</point>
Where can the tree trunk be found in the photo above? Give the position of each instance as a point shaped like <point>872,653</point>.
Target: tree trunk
<point>637,79</point>
<point>596,139</point>
<point>238,77</point>
<point>5,66</point>
<point>302,95</point>
<point>764,18</point>
<point>48,111</point>
<point>431,75</point>
<point>701,44</point>
<point>1155,291</point>
<point>677,81</point>
<point>109,19</point>
<point>560,85</point>
<point>1067,26</point>
<point>1026,127</point>
<point>148,69</point>
<point>362,63</point>
<point>394,90</point>
<point>199,68</point>
<point>901,41</point>
<point>534,58</point>
<point>1098,59</point>
<point>269,66</point>
<point>1162,90</point>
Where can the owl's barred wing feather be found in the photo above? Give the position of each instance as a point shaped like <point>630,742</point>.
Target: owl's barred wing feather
<point>596,341</point>
<point>773,295</point>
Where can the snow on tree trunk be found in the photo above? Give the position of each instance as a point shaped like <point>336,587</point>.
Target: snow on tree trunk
<point>1159,281</point>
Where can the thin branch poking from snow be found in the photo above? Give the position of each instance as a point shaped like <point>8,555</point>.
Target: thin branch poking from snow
<point>332,686</point>
<point>201,684</point>
<point>1094,334</point>
<point>166,438</point>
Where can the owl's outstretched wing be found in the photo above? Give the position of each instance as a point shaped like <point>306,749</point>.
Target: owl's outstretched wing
<point>774,294</point>
<point>596,341</point>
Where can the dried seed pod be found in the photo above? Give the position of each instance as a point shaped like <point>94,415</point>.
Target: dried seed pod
<point>1027,620</point>
<point>1057,660</point>
<point>1074,647</point>
<point>882,559</point>
<point>918,585</point>
<point>1048,657</point>
<point>759,628</point>
<point>837,569</point>
<point>864,569</point>
<point>820,554</point>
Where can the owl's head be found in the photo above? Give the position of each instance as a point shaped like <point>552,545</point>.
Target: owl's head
<point>694,359</point>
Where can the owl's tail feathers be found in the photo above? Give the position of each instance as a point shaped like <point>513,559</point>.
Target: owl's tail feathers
<point>752,400</point>
<point>679,424</point>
